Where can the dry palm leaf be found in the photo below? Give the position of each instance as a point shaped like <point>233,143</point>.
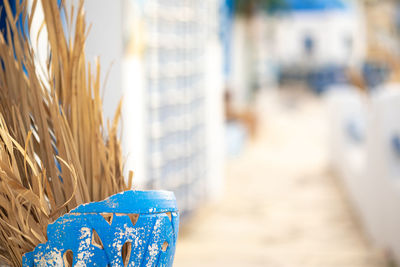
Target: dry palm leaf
<point>55,152</point>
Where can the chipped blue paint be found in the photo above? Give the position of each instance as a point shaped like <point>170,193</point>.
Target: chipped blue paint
<point>157,225</point>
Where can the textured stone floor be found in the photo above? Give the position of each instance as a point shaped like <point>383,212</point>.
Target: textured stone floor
<point>282,207</point>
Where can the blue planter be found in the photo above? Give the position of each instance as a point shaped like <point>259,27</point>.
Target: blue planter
<point>134,228</point>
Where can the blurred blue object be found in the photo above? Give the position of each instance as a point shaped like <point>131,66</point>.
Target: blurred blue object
<point>226,33</point>
<point>22,25</point>
<point>375,73</point>
<point>355,130</point>
<point>236,135</point>
<point>396,144</point>
<point>311,5</point>
<point>322,78</point>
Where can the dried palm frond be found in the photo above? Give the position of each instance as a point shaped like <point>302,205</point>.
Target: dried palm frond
<point>55,152</point>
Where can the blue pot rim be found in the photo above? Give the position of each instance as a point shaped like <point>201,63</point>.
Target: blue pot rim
<point>140,202</point>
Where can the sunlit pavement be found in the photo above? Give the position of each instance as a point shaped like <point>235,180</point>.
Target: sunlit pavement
<point>282,206</point>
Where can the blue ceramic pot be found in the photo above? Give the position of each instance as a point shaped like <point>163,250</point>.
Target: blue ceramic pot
<point>133,228</point>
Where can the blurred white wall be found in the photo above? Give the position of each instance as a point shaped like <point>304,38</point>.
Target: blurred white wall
<point>384,169</point>
<point>240,74</point>
<point>214,104</point>
<point>124,76</point>
<point>105,41</point>
<point>369,166</point>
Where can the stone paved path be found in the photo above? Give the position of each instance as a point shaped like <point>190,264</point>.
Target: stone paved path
<point>282,207</point>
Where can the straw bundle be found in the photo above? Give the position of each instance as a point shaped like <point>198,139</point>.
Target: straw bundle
<point>54,150</point>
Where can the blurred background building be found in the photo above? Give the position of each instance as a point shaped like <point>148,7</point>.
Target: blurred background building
<point>233,102</point>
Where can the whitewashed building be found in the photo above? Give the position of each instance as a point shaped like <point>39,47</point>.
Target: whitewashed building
<point>320,33</point>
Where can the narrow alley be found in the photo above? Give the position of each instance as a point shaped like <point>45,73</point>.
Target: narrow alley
<point>282,206</point>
